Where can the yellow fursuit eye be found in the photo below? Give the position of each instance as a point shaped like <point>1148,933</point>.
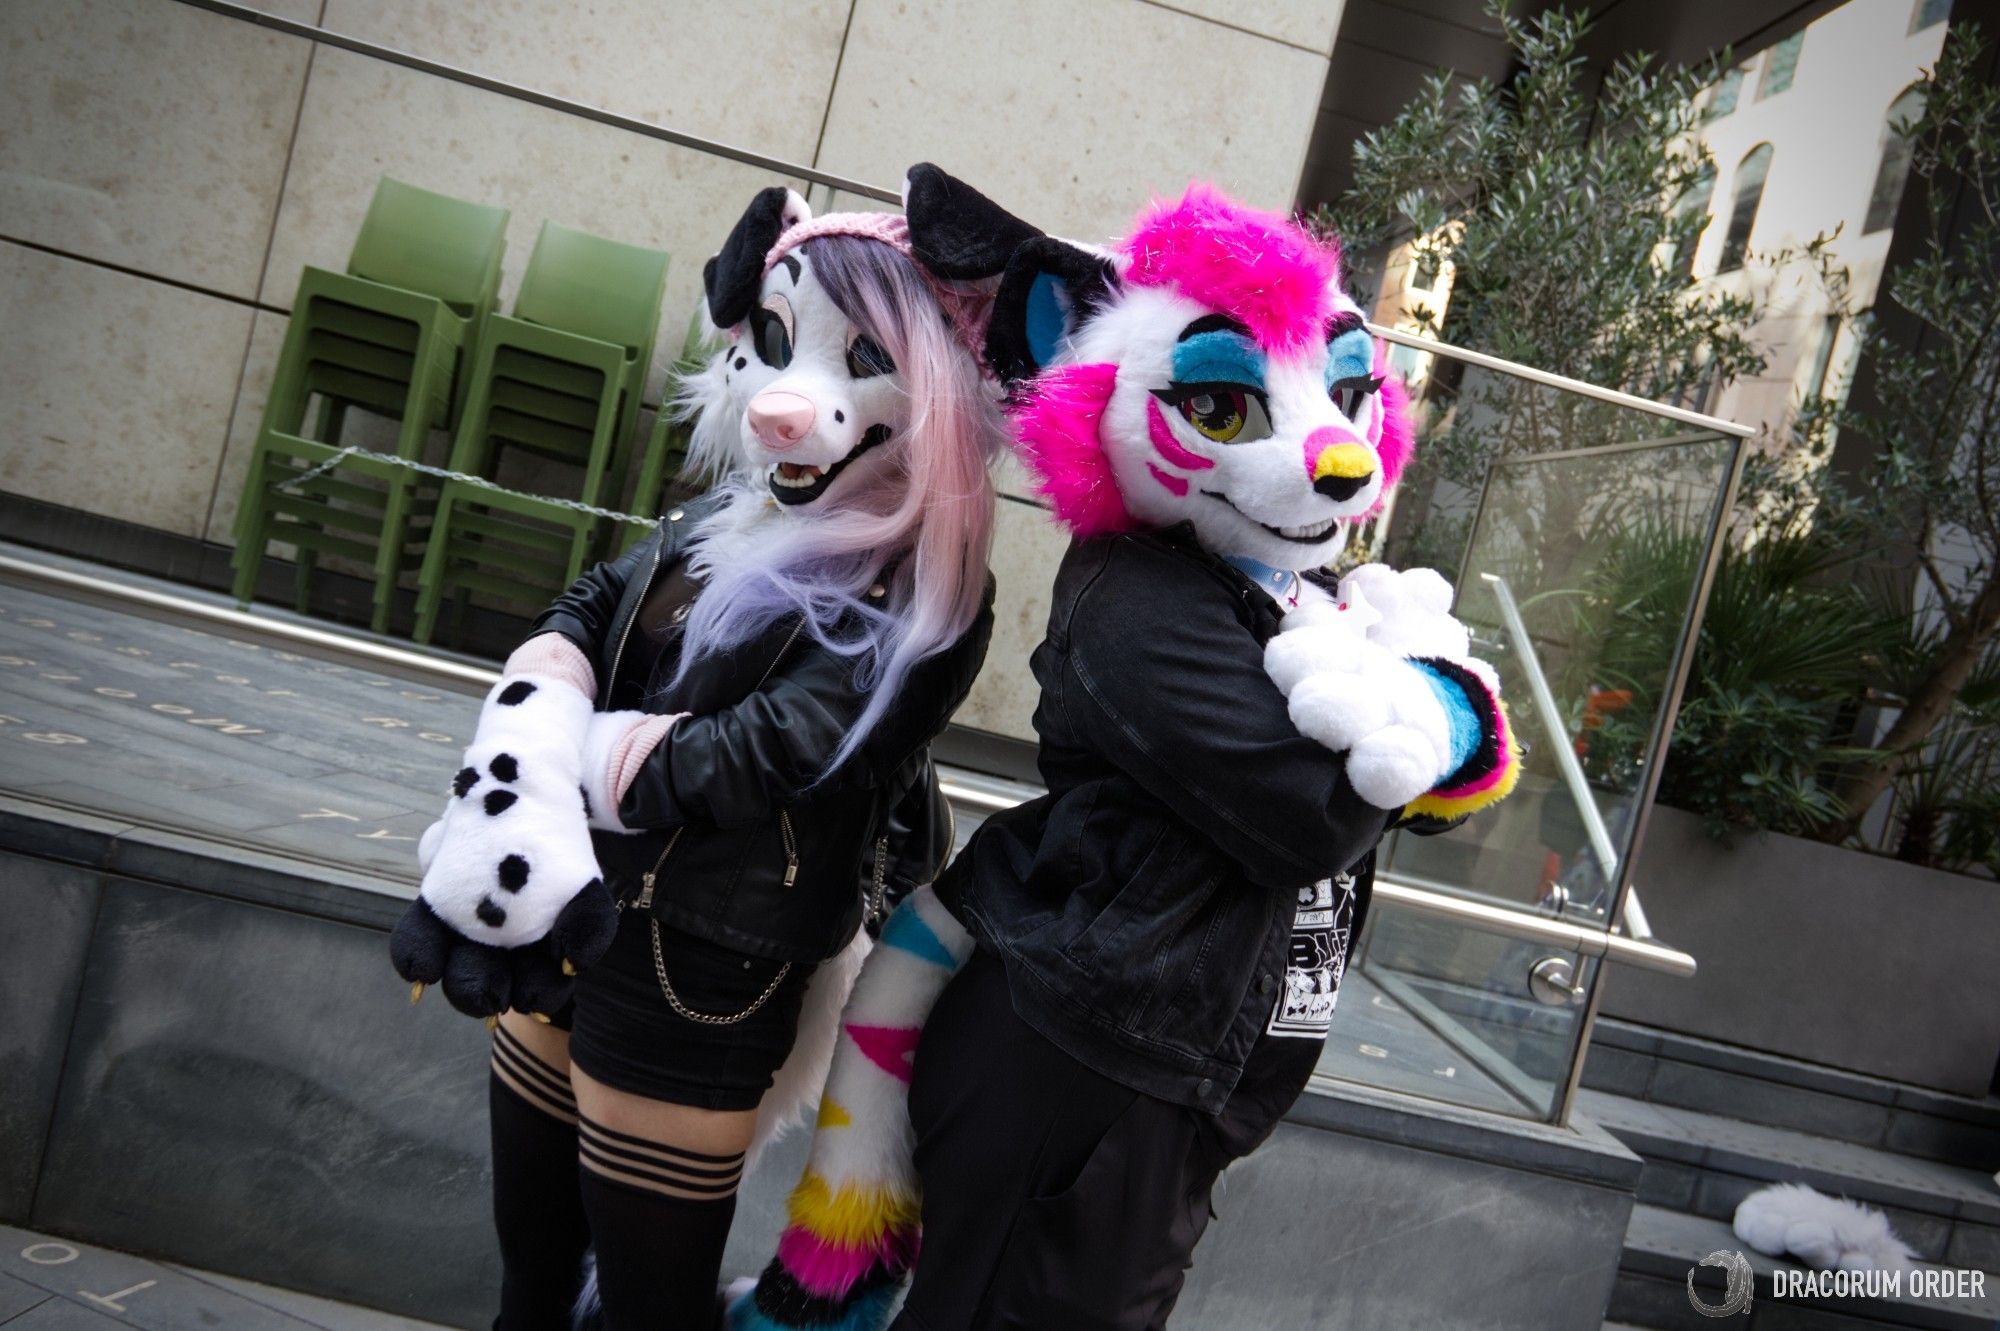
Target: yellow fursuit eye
<point>1219,416</point>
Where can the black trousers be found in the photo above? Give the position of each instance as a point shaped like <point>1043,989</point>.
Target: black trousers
<point>1055,1197</point>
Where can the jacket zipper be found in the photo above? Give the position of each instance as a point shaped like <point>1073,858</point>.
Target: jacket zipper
<point>618,655</point>
<point>791,841</point>
<point>644,901</point>
<point>785,831</point>
<point>875,911</point>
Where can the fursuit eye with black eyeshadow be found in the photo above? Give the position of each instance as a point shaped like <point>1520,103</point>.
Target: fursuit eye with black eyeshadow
<point>1225,414</point>
<point>1219,416</point>
<point>1349,394</point>
<point>770,339</point>
<point>866,359</point>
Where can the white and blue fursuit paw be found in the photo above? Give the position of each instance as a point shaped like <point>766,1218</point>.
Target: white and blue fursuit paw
<point>511,903</point>
<point>1349,673</point>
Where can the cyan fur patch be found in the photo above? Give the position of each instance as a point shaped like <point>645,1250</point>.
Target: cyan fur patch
<point>906,930</point>
<point>1219,357</point>
<point>1047,318</point>
<point>1350,356</point>
<point>1466,728</point>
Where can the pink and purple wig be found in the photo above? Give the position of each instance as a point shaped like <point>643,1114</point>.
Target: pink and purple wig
<point>916,516</point>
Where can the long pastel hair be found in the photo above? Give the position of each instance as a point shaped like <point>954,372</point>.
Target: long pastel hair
<point>917,517</point>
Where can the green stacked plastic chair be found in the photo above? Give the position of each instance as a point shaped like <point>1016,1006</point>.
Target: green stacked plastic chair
<point>666,455</point>
<point>387,336</point>
<point>559,378</point>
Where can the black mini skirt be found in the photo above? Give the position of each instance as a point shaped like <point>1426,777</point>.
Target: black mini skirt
<point>627,1034</point>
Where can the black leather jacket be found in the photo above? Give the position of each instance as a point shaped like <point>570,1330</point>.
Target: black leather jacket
<point>1144,906</point>
<point>746,845</point>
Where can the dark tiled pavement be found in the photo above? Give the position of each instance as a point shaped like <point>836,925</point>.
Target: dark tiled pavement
<point>175,727</point>
<point>51,1284</point>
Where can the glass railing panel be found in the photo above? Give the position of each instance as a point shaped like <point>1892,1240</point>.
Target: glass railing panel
<point>1579,557</point>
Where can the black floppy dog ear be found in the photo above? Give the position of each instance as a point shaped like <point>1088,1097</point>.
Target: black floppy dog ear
<point>733,276</point>
<point>1050,289</point>
<point>955,231</point>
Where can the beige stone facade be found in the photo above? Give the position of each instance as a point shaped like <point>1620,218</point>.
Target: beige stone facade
<point>165,172</point>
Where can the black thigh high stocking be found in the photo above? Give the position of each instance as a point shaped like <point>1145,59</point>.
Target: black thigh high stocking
<point>536,1207</point>
<point>659,1218</point>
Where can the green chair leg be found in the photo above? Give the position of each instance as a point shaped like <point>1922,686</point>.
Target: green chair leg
<point>431,578</point>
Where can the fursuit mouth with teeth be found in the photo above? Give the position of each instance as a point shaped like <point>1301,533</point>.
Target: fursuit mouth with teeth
<point>796,483</point>
<point>1311,533</point>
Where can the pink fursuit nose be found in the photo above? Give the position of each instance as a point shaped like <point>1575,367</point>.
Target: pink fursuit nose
<point>781,419</point>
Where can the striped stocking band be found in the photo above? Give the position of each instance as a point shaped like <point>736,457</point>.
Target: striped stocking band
<point>540,1083</point>
<point>653,1167</point>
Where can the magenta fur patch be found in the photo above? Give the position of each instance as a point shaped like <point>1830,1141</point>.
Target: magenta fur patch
<point>1177,484</point>
<point>890,1048</point>
<point>1395,425</point>
<point>1325,437</point>
<point>1169,447</point>
<point>1056,418</point>
<point>1260,267</point>
<point>830,1270</point>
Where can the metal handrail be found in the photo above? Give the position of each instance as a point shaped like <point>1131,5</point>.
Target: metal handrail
<point>1512,922</point>
<point>1565,384</point>
<point>1545,705</point>
<point>970,789</point>
<point>1632,912</point>
<point>417,667</point>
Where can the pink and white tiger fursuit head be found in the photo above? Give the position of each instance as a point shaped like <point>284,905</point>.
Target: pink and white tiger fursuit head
<point>1207,369</point>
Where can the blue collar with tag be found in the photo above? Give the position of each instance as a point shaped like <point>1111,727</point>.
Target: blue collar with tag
<point>1281,583</point>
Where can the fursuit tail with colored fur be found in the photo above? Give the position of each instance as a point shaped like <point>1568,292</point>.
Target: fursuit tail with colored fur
<point>852,1230</point>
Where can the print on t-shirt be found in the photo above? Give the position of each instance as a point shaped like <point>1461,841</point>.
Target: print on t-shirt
<point>1320,936</point>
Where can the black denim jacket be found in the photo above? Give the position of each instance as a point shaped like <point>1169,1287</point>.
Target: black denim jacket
<point>749,844</point>
<point>1143,907</point>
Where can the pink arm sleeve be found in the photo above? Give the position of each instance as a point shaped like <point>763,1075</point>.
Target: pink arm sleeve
<point>553,654</point>
<point>629,753</point>
<point>615,749</point>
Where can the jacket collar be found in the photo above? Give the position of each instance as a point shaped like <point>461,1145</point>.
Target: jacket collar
<point>1181,537</point>
<point>678,524</point>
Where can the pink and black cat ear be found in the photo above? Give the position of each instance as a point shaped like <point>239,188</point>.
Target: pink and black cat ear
<point>1050,289</point>
<point>956,232</point>
<point>733,277</point>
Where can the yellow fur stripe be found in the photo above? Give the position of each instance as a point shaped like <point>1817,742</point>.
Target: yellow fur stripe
<point>1437,806</point>
<point>831,1115</point>
<point>853,1216</point>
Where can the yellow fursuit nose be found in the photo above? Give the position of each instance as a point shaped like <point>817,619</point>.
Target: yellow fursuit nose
<point>1347,461</point>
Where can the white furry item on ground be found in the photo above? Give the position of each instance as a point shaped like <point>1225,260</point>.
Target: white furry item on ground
<point>1825,1233</point>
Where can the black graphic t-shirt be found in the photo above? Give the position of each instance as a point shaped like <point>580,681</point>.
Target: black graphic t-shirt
<point>1321,932</point>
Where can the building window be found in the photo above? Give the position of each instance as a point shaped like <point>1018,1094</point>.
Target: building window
<point>1894,168</point>
<point>1822,361</point>
<point>1750,174</point>
<point>1928,14</point>
<point>1722,99</point>
<point>1780,66</point>
<point>1424,271</point>
<point>1692,205</point>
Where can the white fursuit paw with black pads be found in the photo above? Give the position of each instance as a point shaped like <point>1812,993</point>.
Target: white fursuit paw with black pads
<point>511,901</point>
